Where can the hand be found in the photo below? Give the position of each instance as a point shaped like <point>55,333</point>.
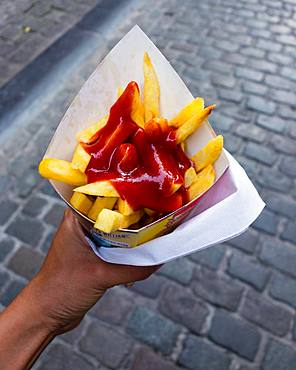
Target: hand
<point>73,278</point>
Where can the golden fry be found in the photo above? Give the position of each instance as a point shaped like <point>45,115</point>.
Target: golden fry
<point>99,188</point>
<point>137,113</point>
<point>124,208</point>
<point>204,180</point>
<point>193,123</point>
<point>60,170</point>
<point>151,90</point>
<point>81,202</point>
<point>190,177</point>
<point>85,135</point>
<point>209,153</point>
<point>119,91</point>
<point>80,159</point>
<point>99,204</point>
<point>109,220</point>
<point>194,107</point>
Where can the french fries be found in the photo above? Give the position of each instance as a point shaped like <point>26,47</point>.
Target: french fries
<point>151,90</point>
<point>60,170</point>
<point>99,188</point>
<point>203,181</point>
<point>208,154</point>
<point>131,154</point>
<point>80,159</point>
<point>81,202</point>
<point>194,107</point>
<point>193,123</point>
<point>99,204</point>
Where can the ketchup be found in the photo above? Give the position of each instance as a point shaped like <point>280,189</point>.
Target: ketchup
<point>144,165</point>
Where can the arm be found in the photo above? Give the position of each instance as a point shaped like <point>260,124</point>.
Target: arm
<point>69,283</point>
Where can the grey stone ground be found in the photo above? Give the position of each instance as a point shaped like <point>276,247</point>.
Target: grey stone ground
<point>232,306</point>
<point>27,27</point>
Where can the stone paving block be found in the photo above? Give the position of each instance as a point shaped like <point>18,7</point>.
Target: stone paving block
<point>55,215</point>
<point>99,339</point>
<point>230,95</point>
<point>273,180</point>
<point>28,230</point>
<point>284,145</point>
<point>288,73</point>
<point>74,335</point>
<point>262,65</point>
<point>235,334</point>
<point>283,96</point>
<point>114,307</point>
<point>261,105</point>
<point>249,74</point>
<point>210,257</point>
<point>278,81</point>
<point>253,133</point>
<point>279,356</point>
<point>61,357</point>
<point>279,255</point>
<point>246,242</point>
<point>34,206</point>
<point>282,205</point>
<point>267,222</point>
<point>248,271</point>
<point>253,52</point>
<point>180,270</point>
<point>198,354</point>
<point>150,287</point>
<point>289,232</point>
<point>216,289</point>
<point>11,291</point>
<point>47,242</point>
<point>7,208</point>
<point>7,245</point>
<point>260,153</point>
<point>153,329</point>
<point>146,359</point>
<point>288,166</point>
<point>283,288</point>
<point>267,314</point>
<point>4,278</point>
<point>272,123</point>
<point>280,58</point>
<point>26,262</point>
<point>269,45</point>
<point>254,88</point>
<point>183,307</point>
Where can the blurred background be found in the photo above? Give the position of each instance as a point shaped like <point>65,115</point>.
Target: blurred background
<point>231,307</point>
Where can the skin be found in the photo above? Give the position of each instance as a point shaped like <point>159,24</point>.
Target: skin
<point>71,280</point>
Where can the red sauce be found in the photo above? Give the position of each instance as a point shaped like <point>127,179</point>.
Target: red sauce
<point>142,164</point>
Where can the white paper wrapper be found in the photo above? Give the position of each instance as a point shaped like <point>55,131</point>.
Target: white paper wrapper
<point>233,194</point>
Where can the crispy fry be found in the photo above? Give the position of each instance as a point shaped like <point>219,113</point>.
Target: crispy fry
<point>99,204</point>
<point>151,90</point>
<point>209,153</point>
<point>150,212</point>
<point>80,159</point>
<point>194,107</point>
<point>193,123</point>
<point>109,220</point>
<point>137,113</point>
<point>60,170</point>
<point>99,188</point>
<point>204,180</point>
<point>124,208</point>
<point>81,202</point>
<point>190,177</point>
<point>119,91</point>
<point>85,135</point>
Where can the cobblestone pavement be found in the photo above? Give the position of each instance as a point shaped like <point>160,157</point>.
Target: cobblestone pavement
<point>231,306</point>
<point>28,27</point>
